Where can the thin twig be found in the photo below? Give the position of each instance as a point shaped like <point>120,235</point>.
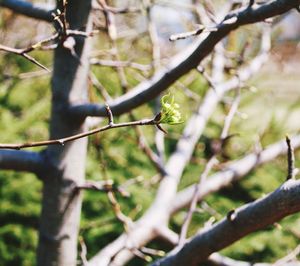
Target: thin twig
<point>230,115</point>
<point>156,59</point>
<point>212,161</point>
<point>23,52</point>
<point>290,159</point>
<point>110,116</point>
<point>141,255</point>
<point>154,252</point>
<point>118,10</point>
<point>63,34</point>
<point>289,257</point>
<point>62,141</point>
<point>208,79</point>
<point>127,222</point>
<point>185,35</point>
<point>83,252</point>
<point>110,63</point>
<point>111,29</point>
<point>44,45</point>
<point>111,189</point>
<point>193,204</point>
<point>103,186</point>
<point>154,158</point>
<point>251,3</point>
<point>97,84</point>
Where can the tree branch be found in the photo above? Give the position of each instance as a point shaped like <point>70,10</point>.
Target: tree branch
<point>218,260</point>
<point>232,172</point>
<point>28,9</point>
<point>21,161</point>
<point>23,53</point>
<point>247,219</point>
<point>185,61</point>
<point>62,141</point>
<point>147,227</point>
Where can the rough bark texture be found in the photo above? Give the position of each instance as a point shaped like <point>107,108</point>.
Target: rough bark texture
<point>61,203</point>
<point>245,220</point>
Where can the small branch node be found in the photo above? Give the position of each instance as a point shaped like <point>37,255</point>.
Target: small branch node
<point>290,159</point>
<point>110,115</point>
<point>185,35</point>
<point>161,129</point>
<point>230,21</point>
<point>61,142</point>
<point>231,215</point>
<point>251,3</point>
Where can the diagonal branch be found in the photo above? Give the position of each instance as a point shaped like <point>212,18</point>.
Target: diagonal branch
<point>28,9</point>
<point>21,161</point>
<point>185,61</point>
<point>62,141</point>
<point>247,219</point>
<point>147,227</point>
<point>216,259</point>
<point>232,172</point>
<point>23,53</point>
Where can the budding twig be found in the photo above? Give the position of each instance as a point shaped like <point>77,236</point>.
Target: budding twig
<point>62,141</point>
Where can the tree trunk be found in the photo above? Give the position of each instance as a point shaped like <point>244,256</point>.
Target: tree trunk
<point>61,205</point>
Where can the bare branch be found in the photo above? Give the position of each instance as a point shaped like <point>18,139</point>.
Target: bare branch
<point>249,218</point>
<point>185,35</point>
<point>251,3</point>
<point>289,257</point>
<point>153,157</point>
<point>103,186</point>
<point>28,9</point>
<point>156,64</point>
<point>157,215</point>
<point>125,220</point>
<point>22,52</point>
<point>62,141</point>
<point>168,235</point>
<point>110,63</point>
<point>118,10</point>
<point>83,252</point>
<point>234,171</point>
<point>21,161</point>
<point>193,205</point>
<point>290,159</point>
<point>230,115</point>
<point>185,61</point>
<point>63,33</point>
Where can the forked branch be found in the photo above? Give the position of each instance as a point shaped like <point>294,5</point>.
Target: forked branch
<point>185,61</point>
<point>247,219</point>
